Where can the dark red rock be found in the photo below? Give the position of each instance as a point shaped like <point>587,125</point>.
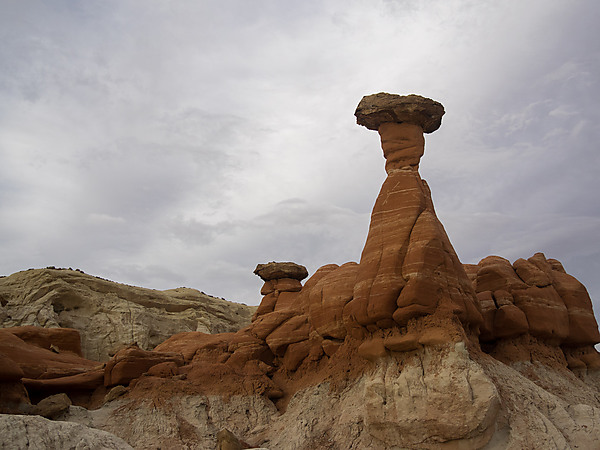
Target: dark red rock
<point>583,328</point>
<point>38,362</point>
<point>328,299</point>
<point>132,362</point>
<point>9,370</point>
<point>55,339</point>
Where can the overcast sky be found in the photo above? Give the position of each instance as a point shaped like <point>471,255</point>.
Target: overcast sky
<point>180,143</point>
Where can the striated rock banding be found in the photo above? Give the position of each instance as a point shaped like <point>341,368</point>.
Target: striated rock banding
<point>110,316</point>
<point>408,267</point>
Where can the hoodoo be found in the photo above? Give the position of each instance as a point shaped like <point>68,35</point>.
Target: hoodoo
<point>408,267</point>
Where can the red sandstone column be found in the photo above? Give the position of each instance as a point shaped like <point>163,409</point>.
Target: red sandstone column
<point>408,267</point>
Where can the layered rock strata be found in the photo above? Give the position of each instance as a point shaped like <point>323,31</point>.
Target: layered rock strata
<point>111,316</point>
<point>282,281</point>
<point>408,267</point>
<point>535,300</point>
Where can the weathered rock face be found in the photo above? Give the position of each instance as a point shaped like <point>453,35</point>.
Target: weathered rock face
<point>36,432</point>
<point>109,315</point>
<point>435,397</point>
<point>130,363</point>
<point>408,267</point>
<point>534,296</point>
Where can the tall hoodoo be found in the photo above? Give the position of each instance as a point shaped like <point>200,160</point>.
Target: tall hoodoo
<point>408,267</point>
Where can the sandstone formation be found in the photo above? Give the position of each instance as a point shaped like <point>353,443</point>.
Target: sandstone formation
<point>110,316</point>
<point>535,296</point>
<point>408,267</point>
<point>128,364</point>
<point>29,432</point>
<point>407,348</point>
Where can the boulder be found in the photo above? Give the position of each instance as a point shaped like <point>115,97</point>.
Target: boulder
<point>53,406</point>
<point>226,440</point>
<point>376,109</point>
<point>22,432</point>
<point>279,270</point>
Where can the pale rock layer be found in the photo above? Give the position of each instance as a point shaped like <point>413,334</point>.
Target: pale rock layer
<point>110,316</point>
<point>438,397</point>
<point>33,432</point>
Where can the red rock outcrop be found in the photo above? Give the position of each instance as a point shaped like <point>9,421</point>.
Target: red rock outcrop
<point>534,296</point>
<point>408,267</point>
<point>282,284</point>
<point>531,303</point>
<point>45,369</point>
<point>38,362</point>
<point>57,340</point>
<point>13,395</point>
<point>130,363</point>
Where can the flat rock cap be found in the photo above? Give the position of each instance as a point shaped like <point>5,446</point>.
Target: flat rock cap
<point>276,270</point>
<point>373,110</point>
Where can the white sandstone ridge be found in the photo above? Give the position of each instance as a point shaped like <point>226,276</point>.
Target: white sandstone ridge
<point>110,315</point>
<point>445,396</point>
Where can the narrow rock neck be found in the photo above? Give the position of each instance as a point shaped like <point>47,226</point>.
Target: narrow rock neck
<point>403,145</point>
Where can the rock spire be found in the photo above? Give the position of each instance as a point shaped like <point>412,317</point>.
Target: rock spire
<point>408,267</point>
